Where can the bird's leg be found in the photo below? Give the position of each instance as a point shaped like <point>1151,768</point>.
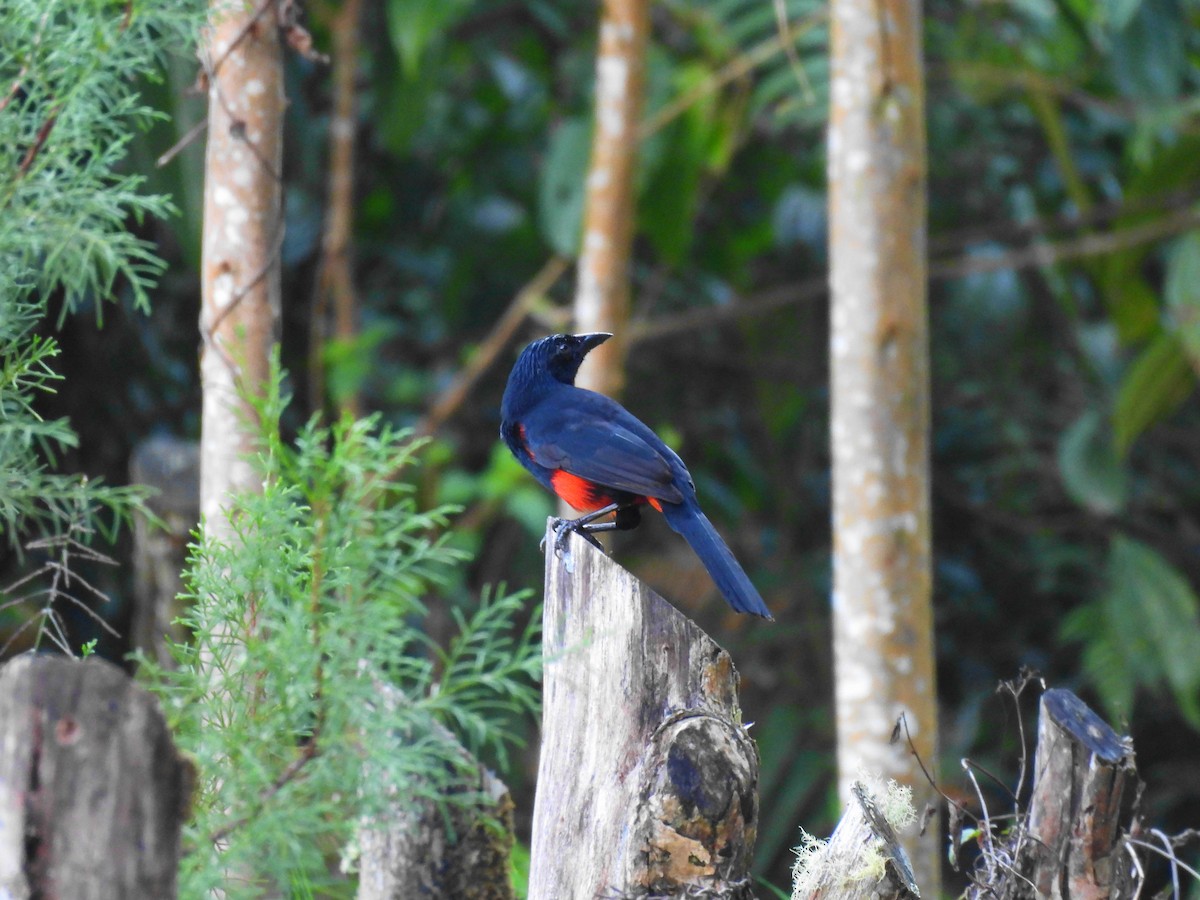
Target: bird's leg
<point>584,526</point>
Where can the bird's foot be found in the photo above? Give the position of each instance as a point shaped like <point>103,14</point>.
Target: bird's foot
<point>562,530</point>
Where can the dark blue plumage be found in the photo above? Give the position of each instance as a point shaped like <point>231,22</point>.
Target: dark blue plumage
<point>593,453</point>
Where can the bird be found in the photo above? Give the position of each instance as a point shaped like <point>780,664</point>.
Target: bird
<point>598,457</point>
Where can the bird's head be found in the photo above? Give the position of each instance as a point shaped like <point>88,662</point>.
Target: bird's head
<point>560,355</point>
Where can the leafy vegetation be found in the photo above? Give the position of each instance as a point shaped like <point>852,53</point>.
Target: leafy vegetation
<point>310,692</point>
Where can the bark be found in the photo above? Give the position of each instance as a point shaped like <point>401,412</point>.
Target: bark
<point>92,792</point>
<point>647,781</point>
<point>171,467</point>
<point>602,296</point>
<point>243,230</point>
<point>335,282</point>
<point>879,359</point>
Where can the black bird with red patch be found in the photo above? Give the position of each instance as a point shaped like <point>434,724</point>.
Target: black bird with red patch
<point>594,454</point>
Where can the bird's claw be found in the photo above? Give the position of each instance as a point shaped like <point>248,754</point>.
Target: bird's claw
<point>562,530</point>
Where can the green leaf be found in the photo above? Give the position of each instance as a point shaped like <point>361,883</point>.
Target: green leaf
<point>1087,462</point>
<point>1182,293</point>
<point>414,25</point>
<point>561,192</point>
<point>1156,384</point>
<point>1149,56</point>
<point>1119,13</point>
<point>1151,608</point>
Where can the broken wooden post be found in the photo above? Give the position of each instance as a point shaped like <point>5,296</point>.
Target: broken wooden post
<point>647,781</point>
<point>171,466</point>
<point>864,859</point>
<point>92,791</point>
<point>1085,787</point>
<point>429,846</point>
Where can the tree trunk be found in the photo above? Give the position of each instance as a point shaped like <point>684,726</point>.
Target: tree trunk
<point>647,781</point>
<point>335,280</point>
<point>92,792</point>
<point>879,360</point>
<point>602,293</point>
<point>243,231</point>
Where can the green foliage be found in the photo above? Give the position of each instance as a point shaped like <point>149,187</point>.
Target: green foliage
<point>561,190</point>
<point>35,501</point>
<point>310,694</point>
<point>69,109</point>
<point>1157,383</point>
<point>1182,294</point>
<point>1091,472</point>
<point>1143,631</point>
<point>72,106</point>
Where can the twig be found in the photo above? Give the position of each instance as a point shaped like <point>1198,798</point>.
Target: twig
<point>1043,254</point>
<point>1137,865</point>
<point>183,143</point>
<point>39,141</point>
<point>1049,254</point>
<point>789,47</point>
<point>307,752</point>
<point>1100,213</point>
<point>14,89</point>
<point>246,28</point>
<point>1168,854</point>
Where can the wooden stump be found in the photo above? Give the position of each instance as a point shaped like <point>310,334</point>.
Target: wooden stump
<point>1085,787</point>
<point>92,791</point>
<point>864,859</point>
<point>172,468</point>
<point>438,850</point>
<point>647,782</point>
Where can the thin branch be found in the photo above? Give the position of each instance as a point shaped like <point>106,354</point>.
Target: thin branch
<point>1099,213</point>
<point>817,287</point>
<point>289,774</point>
<point>39,141</point>
<point>1049,254</point>
<point>183,143</point>
<point>246,28</point>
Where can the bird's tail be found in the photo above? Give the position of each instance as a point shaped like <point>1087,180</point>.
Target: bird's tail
<point>689,521</point>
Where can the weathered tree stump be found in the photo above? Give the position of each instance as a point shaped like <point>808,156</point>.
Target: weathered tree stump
<point>92,791</point>
<point>647,782</point>
<point>1085,788</point>
<point>172,468</point>
<point>439,850</point>
<point>1071,841</point>
<point>864,859</point>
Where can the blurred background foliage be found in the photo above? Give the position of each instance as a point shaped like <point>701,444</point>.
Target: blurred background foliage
<point>1064,162</point>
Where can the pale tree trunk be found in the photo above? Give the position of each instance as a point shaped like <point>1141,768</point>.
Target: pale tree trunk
<point>335,283</point>
<point>879,361</point>
<point>243,230</point>
<point>602,293</point>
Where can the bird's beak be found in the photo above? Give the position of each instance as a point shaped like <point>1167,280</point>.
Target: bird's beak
<point>591,341</point>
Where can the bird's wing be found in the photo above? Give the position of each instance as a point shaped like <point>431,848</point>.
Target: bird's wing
<point>602,449</point>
